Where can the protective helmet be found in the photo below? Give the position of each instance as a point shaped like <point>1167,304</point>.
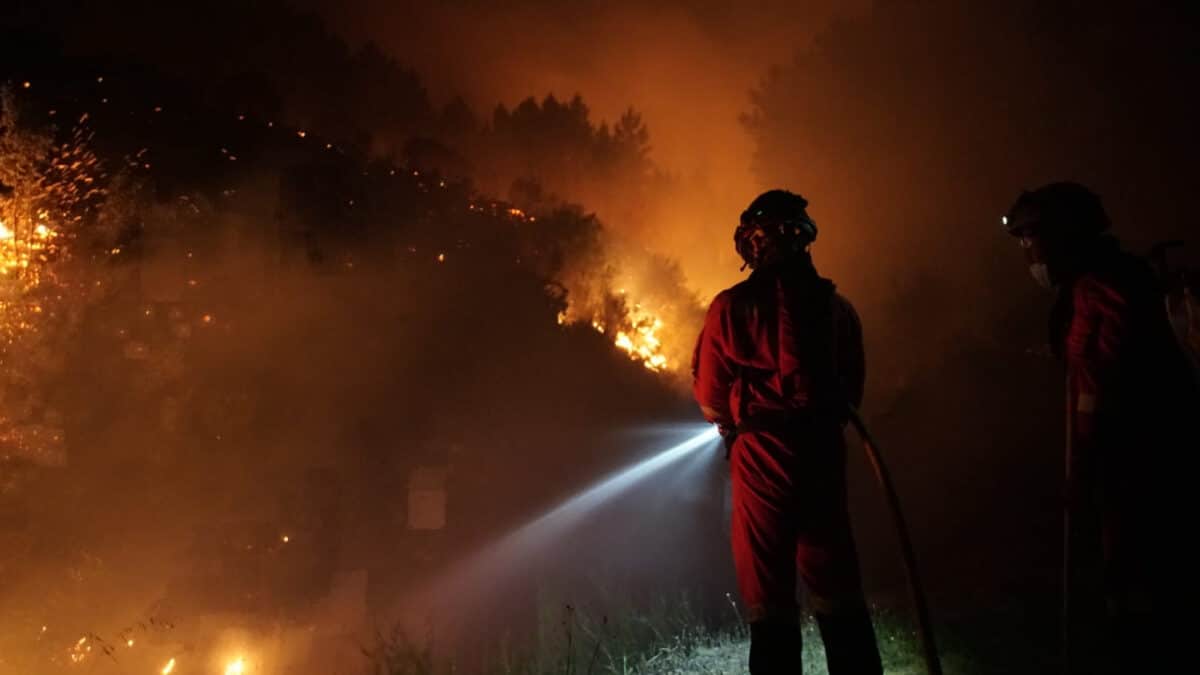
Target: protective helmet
<point>774,225</point>
<point>1067,210</point>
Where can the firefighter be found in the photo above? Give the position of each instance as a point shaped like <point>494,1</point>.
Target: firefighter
<point>1129,395</point>
<point>777,362</point>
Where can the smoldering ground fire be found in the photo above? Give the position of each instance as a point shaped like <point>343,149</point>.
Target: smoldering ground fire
<point>303,305</point>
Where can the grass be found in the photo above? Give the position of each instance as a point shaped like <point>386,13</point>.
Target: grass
<point>669,638</point>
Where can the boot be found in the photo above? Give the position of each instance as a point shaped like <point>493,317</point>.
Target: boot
<point>849,639</point>
<point>775,647</point>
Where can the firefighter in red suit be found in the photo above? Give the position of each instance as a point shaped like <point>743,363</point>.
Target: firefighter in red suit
<point>1130,394</point>
<point>779,359</point>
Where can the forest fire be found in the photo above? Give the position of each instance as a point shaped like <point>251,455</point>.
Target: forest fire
<point>22,251</point>
<point>643,342</point>
<point>294,329</point>
<point>638,335</point>
<point>90,272</point>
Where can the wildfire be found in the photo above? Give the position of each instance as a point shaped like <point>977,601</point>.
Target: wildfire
<point>642,343</point>
<point>638,334</point>
<point>22,251</point>
<point>80,650</point>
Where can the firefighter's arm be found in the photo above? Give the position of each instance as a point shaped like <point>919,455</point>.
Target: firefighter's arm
<point>713,373</point>
<point>1095,340</point>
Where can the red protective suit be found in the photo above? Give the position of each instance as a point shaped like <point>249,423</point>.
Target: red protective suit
<point>1130,400</point>
<point>779,356</point>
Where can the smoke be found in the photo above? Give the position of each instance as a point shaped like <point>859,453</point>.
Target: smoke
<point>912,128</point>
<point>686,66</point>
<point>300,361</point>
<point>278,351</point>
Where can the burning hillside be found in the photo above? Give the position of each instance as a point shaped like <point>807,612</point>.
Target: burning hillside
<point>175,299</point>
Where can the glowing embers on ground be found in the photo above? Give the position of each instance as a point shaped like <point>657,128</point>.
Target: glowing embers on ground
<point>80,650</point>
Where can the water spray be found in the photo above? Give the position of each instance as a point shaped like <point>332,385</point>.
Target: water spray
<point>933,664</point>
<point>523,543</point>
<point>603,491</point>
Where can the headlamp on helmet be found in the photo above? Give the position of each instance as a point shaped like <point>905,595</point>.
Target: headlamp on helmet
<point>775,225</point>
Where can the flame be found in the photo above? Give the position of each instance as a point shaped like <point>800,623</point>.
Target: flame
<point>236,667</point>
<point>79,651</point>
<point>642,343</point>
<point>166,670</point>
<point>638,333</point>
<point>20,250</point>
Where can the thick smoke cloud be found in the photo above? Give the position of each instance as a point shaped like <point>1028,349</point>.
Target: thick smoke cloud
<point>687,66</point>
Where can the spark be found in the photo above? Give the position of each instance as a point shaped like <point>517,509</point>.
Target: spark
<point>166,670</point>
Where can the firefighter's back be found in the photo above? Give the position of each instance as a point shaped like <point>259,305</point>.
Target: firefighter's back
<point>800,343</point>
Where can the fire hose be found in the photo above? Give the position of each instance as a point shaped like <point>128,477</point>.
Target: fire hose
<point>933,664</point>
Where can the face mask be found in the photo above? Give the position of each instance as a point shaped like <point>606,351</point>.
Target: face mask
<point>1041,274</point>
